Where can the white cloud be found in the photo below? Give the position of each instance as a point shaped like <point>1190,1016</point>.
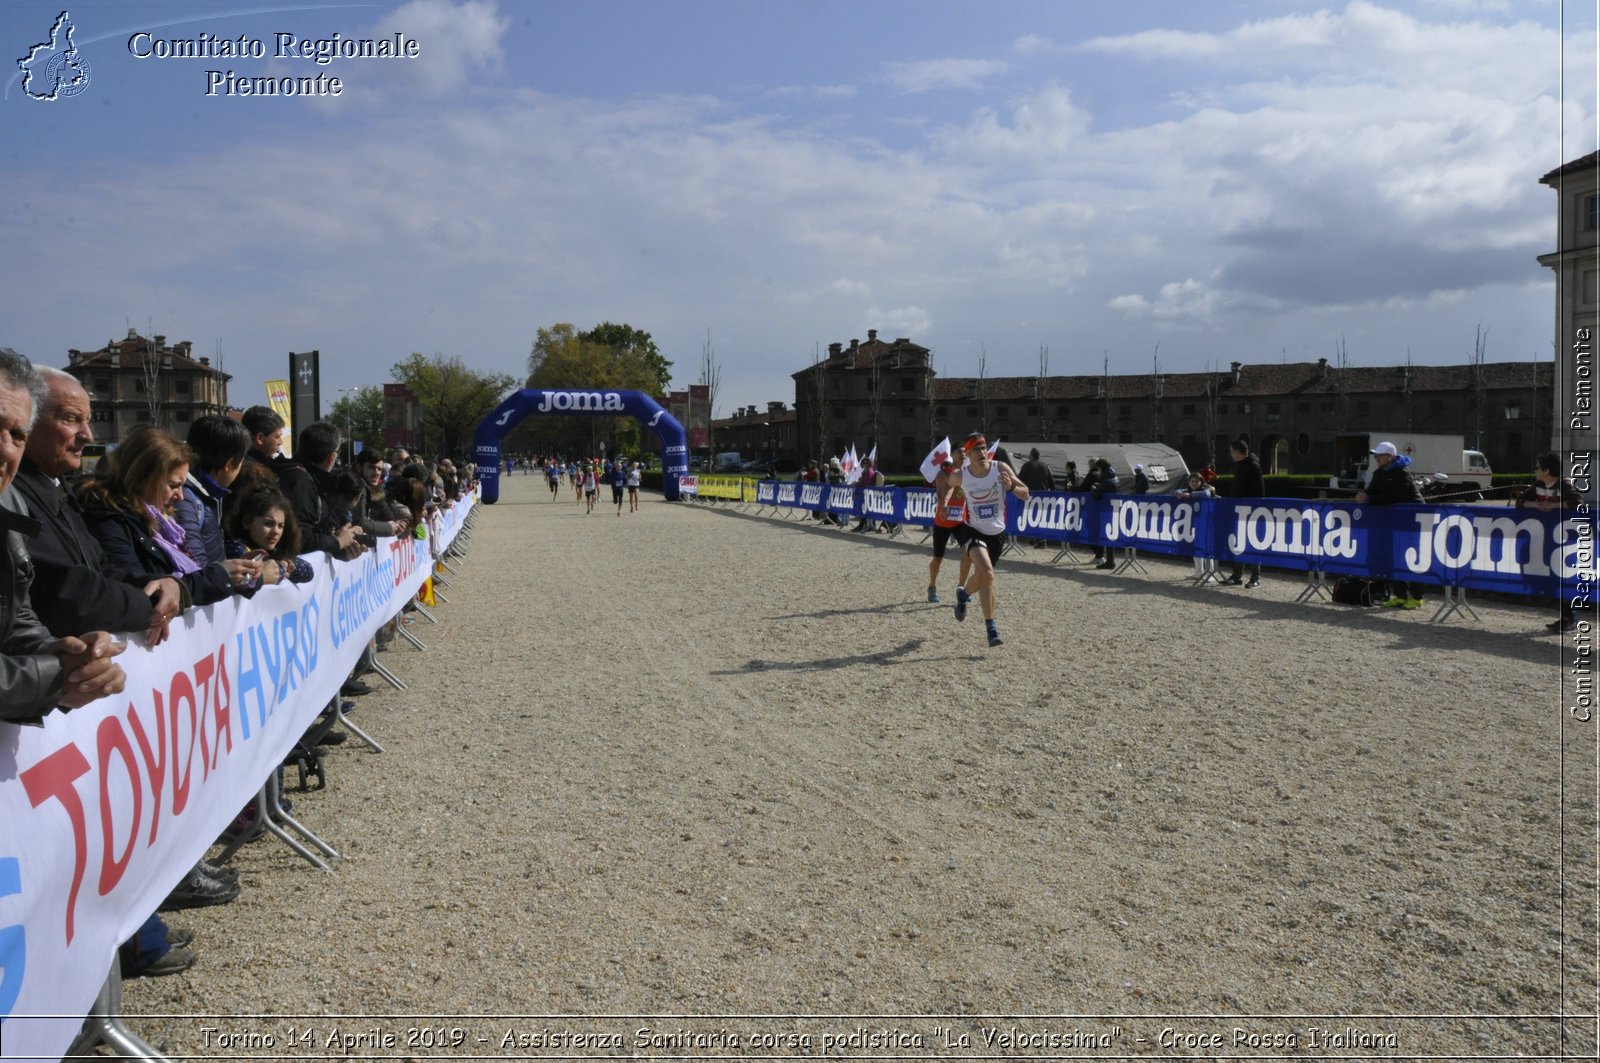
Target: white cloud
<point>925,75</point>
<point>459,43</point>
<point>1033,44</point>
<point>1045,124</point>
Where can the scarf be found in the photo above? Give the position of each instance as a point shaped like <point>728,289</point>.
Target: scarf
<point>169,536</point>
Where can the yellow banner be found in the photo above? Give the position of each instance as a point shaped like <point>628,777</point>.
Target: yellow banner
<point>730,487</point>
<point>278,399</point>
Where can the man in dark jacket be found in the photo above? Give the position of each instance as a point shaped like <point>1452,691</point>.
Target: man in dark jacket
<point>1391,483</point>
<point>38,671</point>
<point>1247,483</point>
<point>74,587</point>
<point>308,482</point>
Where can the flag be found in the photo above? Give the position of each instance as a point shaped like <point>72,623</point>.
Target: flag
<point>936,457</point>
<point>851,465</point>
<point>873,457</point>
<point>992,448</point>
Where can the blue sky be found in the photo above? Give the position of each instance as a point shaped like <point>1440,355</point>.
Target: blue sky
<point>1201,183</point>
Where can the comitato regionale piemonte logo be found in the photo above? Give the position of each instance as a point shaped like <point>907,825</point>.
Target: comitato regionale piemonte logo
<point>54,69</point>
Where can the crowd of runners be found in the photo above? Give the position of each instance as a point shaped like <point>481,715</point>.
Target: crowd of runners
<point>585,475</point>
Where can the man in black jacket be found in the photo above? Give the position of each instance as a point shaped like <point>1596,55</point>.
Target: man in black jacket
<point>74,587</point>
<point>1247,483</point>
<point>308,482</point>
<point>38,670</point>
<point>1391,484</point>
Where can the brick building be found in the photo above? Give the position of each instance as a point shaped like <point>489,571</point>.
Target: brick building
<point>140,380</point>
<point>886,394</point>
<point>1576,262</point>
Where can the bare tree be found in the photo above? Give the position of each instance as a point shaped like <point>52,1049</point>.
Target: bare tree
<point>1105,394</point>
<point>1341,384</point>
<point>1213,419</point>
<point>1480,399</point>
<point>983,391</point>
<point>711,377</point>
<point>151,368</point>
<point>875,397</point>
<point>1157,390</point>
<point>1039,392</point>
<point>933,414</point>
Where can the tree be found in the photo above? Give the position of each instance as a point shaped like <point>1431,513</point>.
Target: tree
<point>608,357</point>
<point>453,398</point>
<point>711,377</point>
<point>359,415</point>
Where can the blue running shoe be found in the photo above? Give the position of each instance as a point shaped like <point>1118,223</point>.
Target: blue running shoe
<point>962,598</point>
<point>933,595</point>
<point>994,637</point>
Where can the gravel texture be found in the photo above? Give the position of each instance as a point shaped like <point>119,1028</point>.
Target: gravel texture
<point>704,765</point>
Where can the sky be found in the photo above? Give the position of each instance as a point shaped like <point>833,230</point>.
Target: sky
<point>1143,183</point>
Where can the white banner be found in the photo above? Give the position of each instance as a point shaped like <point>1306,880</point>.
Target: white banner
<point>105,809</point>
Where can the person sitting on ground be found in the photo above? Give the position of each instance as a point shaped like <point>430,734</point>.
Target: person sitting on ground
<point>1551,493</point>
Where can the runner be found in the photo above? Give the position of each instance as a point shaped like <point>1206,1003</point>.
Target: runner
<point>577,482</point>
<point>945,522</point>
<point>982,534</point>
<point>619,479</point>
<point>552,471</point>
<point>633,487</point>
<point>590,488</point>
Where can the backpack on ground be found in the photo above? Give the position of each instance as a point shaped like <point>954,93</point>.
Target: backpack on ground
<point>1352,590</point>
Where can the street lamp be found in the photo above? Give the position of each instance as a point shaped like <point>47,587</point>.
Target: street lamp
<point>349,440</point>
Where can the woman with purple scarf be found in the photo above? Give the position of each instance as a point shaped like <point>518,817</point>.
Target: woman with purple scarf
<point>128,505</point>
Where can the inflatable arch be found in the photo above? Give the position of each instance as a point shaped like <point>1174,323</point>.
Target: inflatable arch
<point>568,403</point>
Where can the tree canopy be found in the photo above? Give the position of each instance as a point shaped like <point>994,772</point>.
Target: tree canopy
<point>608,357</point>
<point>453,398</point>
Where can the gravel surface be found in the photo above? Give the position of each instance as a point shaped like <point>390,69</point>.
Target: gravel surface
<point>704,765</point>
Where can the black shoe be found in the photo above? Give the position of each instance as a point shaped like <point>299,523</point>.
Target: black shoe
<point>217,871</point>
<point>1234,580</point>
<point>333,738</point>
<point>1255,582</point>
<point>198,891</point>
<point>173,961</point>
<point>1106,564</point>
<point>1562,626</point>
<point>354,688</point>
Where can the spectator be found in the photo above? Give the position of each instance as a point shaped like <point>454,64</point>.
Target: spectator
<point>75,587</point>
<point>128,506</point>
<point>1102,481</point>
<point>1247,483</point>
<point>1036,474</point>
<point>266,430</point>
<point>1072,479</point>
<point>38,670</point>
<point>261,525</point>
<point>870,477</point>
<point>1389,484</point>
<point>219,445</point>
<point>1141,482</point>
<point>373,510</point>
<point>308,483</point>
<point>1551,493</point>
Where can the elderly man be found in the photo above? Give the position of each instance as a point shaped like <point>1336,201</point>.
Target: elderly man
<point>74,586</point>
<point>38,671</point>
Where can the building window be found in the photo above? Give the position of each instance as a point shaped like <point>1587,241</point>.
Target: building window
<point>1436,405</point>
<point>1591,282</point>
<point>1126,410</point>
<point>102,384</point>
<point>180,386</point>
<point>1002,411</point>
<point>908,384</point>
<point>1094,437</point>
<point>1188,409</point>
<point>1033,411</point>
<point>1592,209</point>
<point>1222,407</point>
<point>972,411</point>
<point>182,416</point>
<point>1363,406</point>
<point>1327,405</point>
<point>1272,411</point>
<point>1061,411</point>
<point>906,445</point>
<point>1302,407</point>
<point>941,411</point>
<point>138,384</point>
<point>100,416</point>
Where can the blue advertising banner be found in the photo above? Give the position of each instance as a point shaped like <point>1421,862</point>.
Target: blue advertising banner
<point>1482,548</point>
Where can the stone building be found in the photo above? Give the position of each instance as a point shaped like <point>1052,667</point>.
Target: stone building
<point>1576,262</point>
<point>140,380</point>
<point>757,434</point>
<point>886,394</point>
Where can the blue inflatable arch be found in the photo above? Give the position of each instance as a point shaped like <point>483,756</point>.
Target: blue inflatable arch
<point>569,403</point>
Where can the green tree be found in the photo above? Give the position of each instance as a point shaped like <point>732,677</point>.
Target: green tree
<point>454,399</point>
<point>607,357</point>
<point>359,415</point>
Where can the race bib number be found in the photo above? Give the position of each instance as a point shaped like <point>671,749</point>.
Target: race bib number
<point>953,513</point>
<point>987,511</point>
